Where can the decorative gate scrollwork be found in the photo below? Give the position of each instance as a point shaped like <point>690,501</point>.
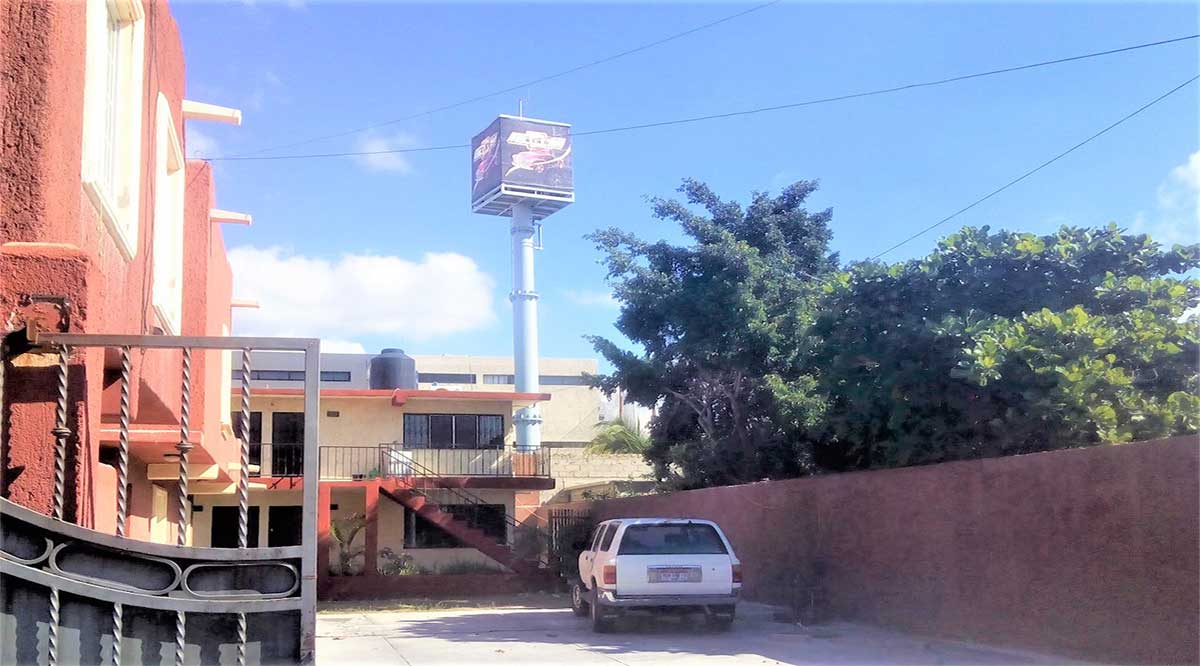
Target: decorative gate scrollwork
<point>73,595</point>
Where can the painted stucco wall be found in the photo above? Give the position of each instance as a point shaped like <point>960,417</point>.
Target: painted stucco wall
<point>574,468</point>
<point>570,416</point>
<point>350,501</point>
<point>53,241</point>
<point>1087,552</point>
<point>202,521</point>
<point>374,420</point>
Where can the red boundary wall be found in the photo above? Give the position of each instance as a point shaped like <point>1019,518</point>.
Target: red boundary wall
<point>1087,552</point>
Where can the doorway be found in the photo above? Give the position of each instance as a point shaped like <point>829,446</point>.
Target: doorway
<point>225,527</point>
<point>285,526</point>
<point>287,444</point>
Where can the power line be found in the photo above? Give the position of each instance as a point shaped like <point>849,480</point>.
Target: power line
<point>1039,167</point>
<point>731,114</point>
<point>543,79</point>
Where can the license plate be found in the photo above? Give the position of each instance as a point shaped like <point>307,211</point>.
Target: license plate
<point>674,575</point>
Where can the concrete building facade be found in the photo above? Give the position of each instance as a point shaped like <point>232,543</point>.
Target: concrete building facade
<point>106,228</point>
<point>423,452</point>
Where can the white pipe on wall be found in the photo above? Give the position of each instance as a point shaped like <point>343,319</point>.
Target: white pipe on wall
<point>528,421</point>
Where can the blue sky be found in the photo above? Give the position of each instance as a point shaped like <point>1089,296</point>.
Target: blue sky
<point>387,253</point>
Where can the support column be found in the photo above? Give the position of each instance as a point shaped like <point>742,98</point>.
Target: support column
<point>371,555</point>
<point>527,421</point>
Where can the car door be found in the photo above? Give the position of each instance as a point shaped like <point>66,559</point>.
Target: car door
<point>587,557</point>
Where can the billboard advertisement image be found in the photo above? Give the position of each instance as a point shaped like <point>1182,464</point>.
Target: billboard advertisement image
<point>485,160</point>
<point>523,152</point>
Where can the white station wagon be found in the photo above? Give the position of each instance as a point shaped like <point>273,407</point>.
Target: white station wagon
<point>657,564</point>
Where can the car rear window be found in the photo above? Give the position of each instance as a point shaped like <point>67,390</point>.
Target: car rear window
<point>671,539</point>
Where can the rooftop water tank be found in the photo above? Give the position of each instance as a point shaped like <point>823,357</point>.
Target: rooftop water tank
<point>393,369</point>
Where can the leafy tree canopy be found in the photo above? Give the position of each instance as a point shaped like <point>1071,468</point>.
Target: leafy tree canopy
<point>719,320</point>
<point>1004,343</point>
<point>768,361</point>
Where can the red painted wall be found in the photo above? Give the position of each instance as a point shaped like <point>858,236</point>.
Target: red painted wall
<point>52,241</point>
<point>1090,552</point>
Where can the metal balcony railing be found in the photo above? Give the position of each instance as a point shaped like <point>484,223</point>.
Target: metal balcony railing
<point>276,460</point>
<point>396,460</point>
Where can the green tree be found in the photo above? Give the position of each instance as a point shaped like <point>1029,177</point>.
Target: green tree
<point>617,437</point>
<point>1005,343</point>
<point>722,324</point>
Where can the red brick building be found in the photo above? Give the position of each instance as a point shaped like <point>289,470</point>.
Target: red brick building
<point>106,228</point>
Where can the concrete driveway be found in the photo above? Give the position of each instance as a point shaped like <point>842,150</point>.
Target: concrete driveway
<point>552,636</point>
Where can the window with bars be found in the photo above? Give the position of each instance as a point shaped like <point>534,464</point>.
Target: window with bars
<point>454,431</point>
<point>488,518</point>
<point>498,379</point>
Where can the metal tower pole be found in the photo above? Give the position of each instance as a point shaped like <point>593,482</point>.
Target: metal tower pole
<point>524,297</point>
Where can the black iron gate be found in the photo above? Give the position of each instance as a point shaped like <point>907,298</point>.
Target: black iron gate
<point>71,595</point>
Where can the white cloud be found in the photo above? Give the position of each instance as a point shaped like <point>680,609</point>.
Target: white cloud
<point>200,144</point>
<point>331,346</point>
<point>374,143</point>
<point>591,297</point>
<point>359,294</point>
<point>1177,219</point>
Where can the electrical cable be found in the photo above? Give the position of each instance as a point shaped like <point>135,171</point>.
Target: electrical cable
<point>1039,167</point>
<point>533,82</point>
<point>731,114</point>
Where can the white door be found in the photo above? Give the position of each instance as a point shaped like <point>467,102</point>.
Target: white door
<point>588,557</point>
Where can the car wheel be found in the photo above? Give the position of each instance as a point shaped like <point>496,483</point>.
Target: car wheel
<point>719,618</point>
<point>602,620</point>
<point>579,602</point>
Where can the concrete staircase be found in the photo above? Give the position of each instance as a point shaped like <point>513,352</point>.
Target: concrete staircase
<point>475,538</point>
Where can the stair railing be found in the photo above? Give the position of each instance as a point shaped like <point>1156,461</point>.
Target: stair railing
<point>467,497</point>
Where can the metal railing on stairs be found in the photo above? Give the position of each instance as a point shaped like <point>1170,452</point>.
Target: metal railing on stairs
<point>543,546</point>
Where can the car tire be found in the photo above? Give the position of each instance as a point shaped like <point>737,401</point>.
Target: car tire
<point>602,619</point>
<point>579,600</point>
<point>720,618</point>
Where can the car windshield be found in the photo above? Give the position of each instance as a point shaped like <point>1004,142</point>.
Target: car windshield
<point>671,539</point>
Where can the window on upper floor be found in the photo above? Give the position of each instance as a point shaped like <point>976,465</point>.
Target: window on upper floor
<point>112,116</point>
<point>498,379</point>
<point>291,375</point>
<point>454,431</point>
<point>167,291</point>
<point>562,380</point>
<point>445,378</point>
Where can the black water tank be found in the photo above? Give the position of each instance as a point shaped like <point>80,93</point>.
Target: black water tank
<point>393,369</point>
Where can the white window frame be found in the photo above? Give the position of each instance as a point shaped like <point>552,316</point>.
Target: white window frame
<point>112,116</point>
<point>169,183</point>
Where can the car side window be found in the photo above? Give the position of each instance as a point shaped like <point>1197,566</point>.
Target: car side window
<point>608,537</point>
<point>596,538</point>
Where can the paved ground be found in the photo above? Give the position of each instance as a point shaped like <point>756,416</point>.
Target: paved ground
<point>551,636</point>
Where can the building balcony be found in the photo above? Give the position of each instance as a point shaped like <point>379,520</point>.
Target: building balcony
<point>424,466</point>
